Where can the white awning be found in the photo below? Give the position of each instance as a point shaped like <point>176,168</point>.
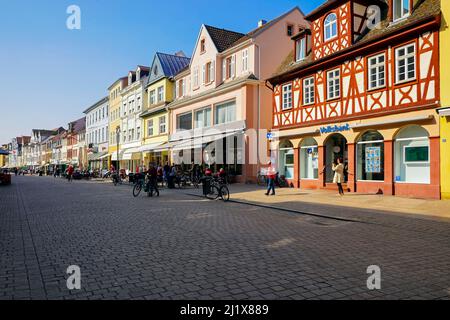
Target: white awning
<point>393,121</point>
<point>198,143</point>
<point>444,112</point>
<point>150,147</point>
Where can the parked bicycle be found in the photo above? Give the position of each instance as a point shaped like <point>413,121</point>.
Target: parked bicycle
<point>116,179</point>
<point>143,182</point>
<point>214,188</point>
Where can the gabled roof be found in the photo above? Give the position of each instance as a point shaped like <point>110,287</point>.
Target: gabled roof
<point>79,125</point>
<point>172,64</point>
<point>266,26</point>
<point>223,39</point>
<point>424,11</point>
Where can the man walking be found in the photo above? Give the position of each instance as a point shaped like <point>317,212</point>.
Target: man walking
<point>271,174</point>
<point>152,180</point>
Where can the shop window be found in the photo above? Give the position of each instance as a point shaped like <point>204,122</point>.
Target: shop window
<point>370,157</point>
<point>412,155</point>
<point>286,160</point>
<point>309,159</point>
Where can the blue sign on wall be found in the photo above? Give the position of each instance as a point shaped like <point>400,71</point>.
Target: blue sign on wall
<point>330,129</point>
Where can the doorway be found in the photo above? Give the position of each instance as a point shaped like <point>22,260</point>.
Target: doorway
<point>335,147</point>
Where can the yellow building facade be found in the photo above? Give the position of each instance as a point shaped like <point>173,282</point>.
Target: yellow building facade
<point>444,112</point>
<point>160,91</point>
<point>156,122</point>
<point>114,118</point>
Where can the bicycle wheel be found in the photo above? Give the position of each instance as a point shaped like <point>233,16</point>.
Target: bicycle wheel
<point>214,193</point>
<point>224,193</point>
<point>137,189</point>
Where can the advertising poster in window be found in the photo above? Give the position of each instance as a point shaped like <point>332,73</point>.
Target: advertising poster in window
<point>373,159</point>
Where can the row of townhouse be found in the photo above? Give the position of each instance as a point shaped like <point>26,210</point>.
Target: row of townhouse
<point>360,80</point>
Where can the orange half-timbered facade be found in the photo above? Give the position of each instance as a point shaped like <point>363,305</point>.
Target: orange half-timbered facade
<point>362,86</point>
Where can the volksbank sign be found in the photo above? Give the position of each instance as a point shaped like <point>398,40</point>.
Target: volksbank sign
<point>330,129</point>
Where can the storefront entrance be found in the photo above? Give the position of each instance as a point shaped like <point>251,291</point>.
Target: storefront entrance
<point>335,147</point>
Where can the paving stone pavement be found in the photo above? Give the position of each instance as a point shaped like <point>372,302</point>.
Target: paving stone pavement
<point>179,246</point>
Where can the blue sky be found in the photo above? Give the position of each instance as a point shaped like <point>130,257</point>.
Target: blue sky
<point>50,74</point>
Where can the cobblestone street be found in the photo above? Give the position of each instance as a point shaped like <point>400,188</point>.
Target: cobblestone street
<point>179,246</point>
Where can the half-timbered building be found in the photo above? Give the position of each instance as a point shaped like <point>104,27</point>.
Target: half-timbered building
<point>362,85</point>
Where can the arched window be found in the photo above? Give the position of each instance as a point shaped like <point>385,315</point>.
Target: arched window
<point>330,26</point>
<point>309,159</point>
<point>412,155</point>
<point>286,159</point>
<point>370,157</point>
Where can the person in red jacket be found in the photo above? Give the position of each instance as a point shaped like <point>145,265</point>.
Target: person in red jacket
<point>70,172</point>
<point>271,175</point>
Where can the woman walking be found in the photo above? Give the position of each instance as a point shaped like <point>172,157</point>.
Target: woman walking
<point>338,169</point>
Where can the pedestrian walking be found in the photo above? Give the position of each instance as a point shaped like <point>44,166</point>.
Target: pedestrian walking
<point>70,171</point>
<point>152,180</point>
<point>338,168</point>
<point>271,175</point>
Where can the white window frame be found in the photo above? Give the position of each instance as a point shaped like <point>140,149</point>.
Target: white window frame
<point>374,65</point>
<point>328,25</point>
<point>395,3</point>
<point>162,125</point>
<point>245,60</point>
<point>333,79</point>
<point>153,96</point>
<point>405,59</point>
<point>150,128</point>
<point>227,114</point>
<point>203,110</point>
<point>309,95</point>
<point>300,49</point>
<point>196,78</point>
<point>160,94</point>
<point>286,96</point>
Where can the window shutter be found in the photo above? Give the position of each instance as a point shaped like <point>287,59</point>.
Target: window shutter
<point>213,71</point>
<point>233,66</point>
<point>177,84</point>
<point>224,69</point>
<point>203,74</point>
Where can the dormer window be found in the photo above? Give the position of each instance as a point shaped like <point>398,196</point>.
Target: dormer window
<point>401,9</point>
<point>330,27</point>
<point>300,49</point>
<point>202,46</point>
<point>290,30</point>
<point>138,74</point>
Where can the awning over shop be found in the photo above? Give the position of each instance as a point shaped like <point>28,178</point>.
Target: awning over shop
<point>199,142</point>
<point>444,112</point>
<point>3,152</point>
<point>128,154</point>
<point>150,147</point>
<point>96,156</point>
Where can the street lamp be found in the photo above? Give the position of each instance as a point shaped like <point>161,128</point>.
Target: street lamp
<point>117,140</point>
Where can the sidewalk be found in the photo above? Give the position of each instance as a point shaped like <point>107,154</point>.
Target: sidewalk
<point>288,197</point>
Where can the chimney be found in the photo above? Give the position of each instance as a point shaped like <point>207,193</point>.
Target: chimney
<point>180,54</point>
<point>261,23</point>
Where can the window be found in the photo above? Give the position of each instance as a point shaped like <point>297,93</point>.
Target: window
<point>300,49</point>
<point>290,30</point>
<point>412,155</point>
<point>286,160</point>
<point>138,133</point>
<point>225,112</point>
<point>209,72</point>
<point>333,84</point>
<point>184,121</point>
<point>153,97</point>
<point>405,63</point>
<point>287,97</point>
<point>401,9</point>
<point>124,135</point>
<point>377,72</point>
<point>370,157</point>
<point>308,91</point>
<point>245,60</point>
<point>196,79</point>
<point>161,94</point>
<point>330,26</point>
<point>309,159</point>
<point>229,67</point>
<point>139,103</point>
<point>202,118</point>
<point>162,125</point>
<point>202,46</point>
<point>150,127</point>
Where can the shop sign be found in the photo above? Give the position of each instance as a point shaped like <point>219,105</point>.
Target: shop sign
<point>335,128</point>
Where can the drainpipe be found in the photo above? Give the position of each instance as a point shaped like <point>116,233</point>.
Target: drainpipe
<point>258,124</point>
